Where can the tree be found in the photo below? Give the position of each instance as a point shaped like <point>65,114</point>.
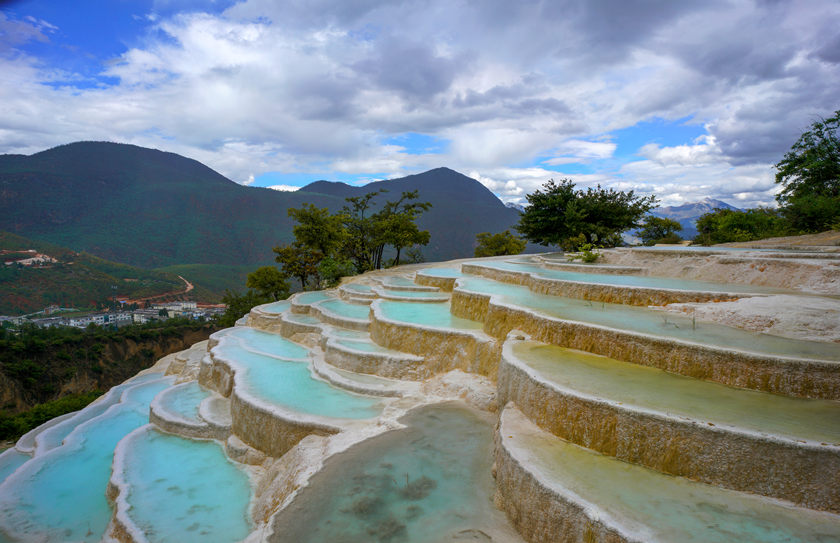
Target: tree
<point>298,261</point>
<point>503,243</point>
<point>810,175</point>
<point>659,230</point>
<point>729,225</point>
<point>317,228</point>
<point>559,213</point>
<point>395,225</point>
<point>269,283</point>
<point>237,305</point>
<point>362,231</point>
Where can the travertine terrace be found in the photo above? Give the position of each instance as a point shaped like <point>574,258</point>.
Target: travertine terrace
<point>659,395</point>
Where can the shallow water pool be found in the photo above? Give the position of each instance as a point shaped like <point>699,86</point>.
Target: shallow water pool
<point>290,384</point>
<point>346,309</point>
<point>60,495</point>
<point>427,483</point>
<point>650,321</point>
<point>433,315</point>
<point>185,490</point>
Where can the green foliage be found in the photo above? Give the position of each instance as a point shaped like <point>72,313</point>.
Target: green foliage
<point>212,280</point>
<point>238,305</point>
<point>14,426</point>
<point>317,229</point>
<point>587,253</point>
<point>39,362</point>
<point>659,230</point>
<point>810,175</point>
<point>503,243</point>
<point>728,225</point>
<point>328,247</point>
<point>269,283</point>
<point>559,212</point>
<point>331,270</point>
<point>299,261</point>
<point>76,280</point>
<point>812,213</point>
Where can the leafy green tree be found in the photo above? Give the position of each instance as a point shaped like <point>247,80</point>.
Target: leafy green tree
<point>729,225</point>
<point>503,243</point>
<point>396,226</point>
<point>810,175</point>
<point>299,261</point>
<point>559,212</point>
<point>331,270</point>
<point>317,229</point>
<point>362,230</point>
<point>659,230</point>
<point>238,305</point>
<point>269,282</point>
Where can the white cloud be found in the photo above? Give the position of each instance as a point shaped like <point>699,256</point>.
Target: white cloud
<point>284,188</point>
<point>319,86</point>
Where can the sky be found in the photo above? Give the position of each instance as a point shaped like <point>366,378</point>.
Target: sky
<point>682,99</point>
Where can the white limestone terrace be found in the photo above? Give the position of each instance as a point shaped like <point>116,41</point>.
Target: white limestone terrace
<point>674,424</point>
<point>265,406</point>
<point>556,491</point>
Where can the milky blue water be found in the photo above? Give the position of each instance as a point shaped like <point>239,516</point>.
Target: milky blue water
<point>367,346</point>
<point>434,315</point>
<point>428,483</point>
<point>670,508</point>
<point>346,309</point>
<point>303,319</point>
<point>290,384</point>
<point>649,321</point>
<point>60,495</point>
<point>417,294</point>
<point>10,460</point>
<point>308,298</point>
<point>667,393</point>
<point>276,307</point>
<point>398,281</point>
<point>184,399</point>
<point>357,287</point>
<point>345,333</point>
<point>183,490</point>
<point>53,436</point>
<point>266,342</point>
<point>441,272</point>
<point>630,280</point>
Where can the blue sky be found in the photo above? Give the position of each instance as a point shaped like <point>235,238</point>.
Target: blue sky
<point>683,100</point>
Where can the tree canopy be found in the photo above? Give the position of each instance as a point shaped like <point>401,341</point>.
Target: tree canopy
<point>328,246</point>
<point>810,175</point>
<point>559,213</point>
<point>729,225</point>
<point>503,243</point>
<point>659,230</point>
<point>269,282</point>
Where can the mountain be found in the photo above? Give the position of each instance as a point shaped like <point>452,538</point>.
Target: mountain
<point>461,208</point>
<point>35,274</point>
<point>687,214</point>
<point>155,209</point>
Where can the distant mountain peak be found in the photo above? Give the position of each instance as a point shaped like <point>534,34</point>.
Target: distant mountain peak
<point>687,214</point>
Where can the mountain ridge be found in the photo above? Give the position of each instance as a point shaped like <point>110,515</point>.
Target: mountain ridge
<point>687,214</point>
<point>152,208</point>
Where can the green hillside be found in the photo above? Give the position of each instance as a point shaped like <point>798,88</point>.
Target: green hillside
<point>154,209</point>
<point>75,280</point>
<point>211,280</point>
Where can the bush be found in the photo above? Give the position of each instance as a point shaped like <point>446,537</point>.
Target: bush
<point>587,253</point>
<point>727,225</point>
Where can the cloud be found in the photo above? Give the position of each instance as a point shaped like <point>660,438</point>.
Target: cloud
<point>520,91</point>
<point>284,188</point>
